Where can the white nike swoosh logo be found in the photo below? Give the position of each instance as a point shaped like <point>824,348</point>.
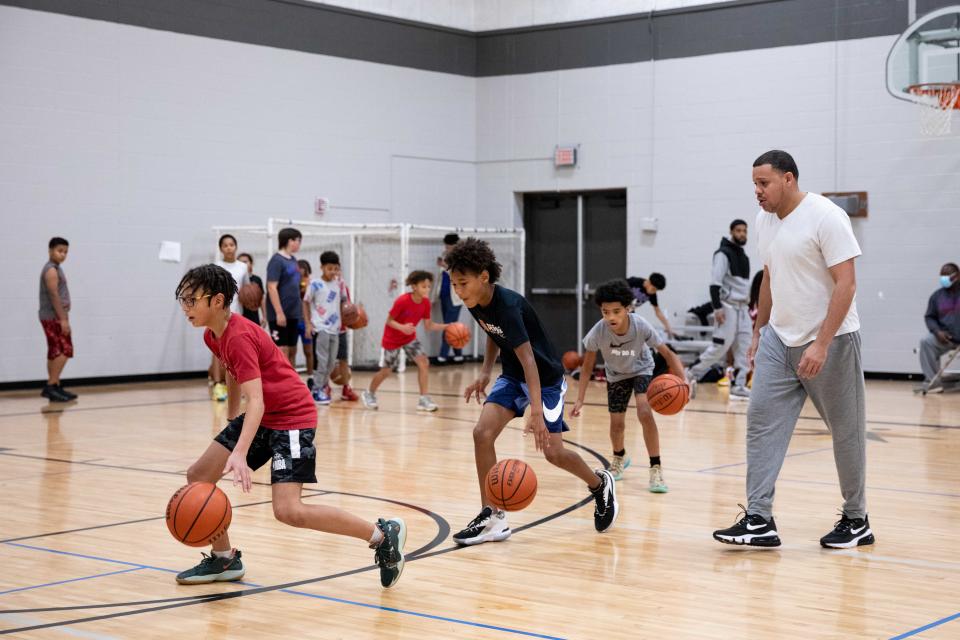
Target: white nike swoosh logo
<point>552,415</point>
<point>751,527</point>
<point>856,531</point>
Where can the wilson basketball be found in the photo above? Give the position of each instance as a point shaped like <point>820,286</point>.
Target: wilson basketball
<point>349,313</point>
<point>198,514</point>
<point>668,394</point>
<point>511,484</point>
<point>457,335</point>
<point>250,296</point>
<point>571,360</point>
<point>341,374</point>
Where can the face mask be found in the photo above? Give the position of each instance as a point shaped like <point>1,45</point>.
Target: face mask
<point>946,282</point>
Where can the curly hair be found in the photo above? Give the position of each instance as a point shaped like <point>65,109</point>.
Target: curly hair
<point>614,291</point>
<point>418,276</point>
<point>211,279</point>
<point>474,256</point>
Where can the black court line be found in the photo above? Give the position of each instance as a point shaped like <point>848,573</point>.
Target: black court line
<point>171,603</point>
<point>74,408</point>
<point>689,409</point>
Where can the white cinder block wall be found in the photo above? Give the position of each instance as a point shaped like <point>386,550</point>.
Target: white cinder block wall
<point>118,137</point>
<point>681,136</point>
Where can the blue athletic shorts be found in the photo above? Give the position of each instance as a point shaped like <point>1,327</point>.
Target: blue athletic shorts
<point>512,394</point>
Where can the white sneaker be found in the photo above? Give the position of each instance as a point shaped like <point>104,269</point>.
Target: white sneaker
<point>657,485</point>
<point>369,400</point>
<point>426,404</point>
<point>739,392</point>
<point>617,465</point>
<point>458,359</point>
<point>488,526</point>
<point>692,383</point>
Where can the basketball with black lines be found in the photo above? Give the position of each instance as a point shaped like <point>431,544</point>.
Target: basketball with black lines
<point>511,485</point>
<point>198,514</point>
<point>668,394</point>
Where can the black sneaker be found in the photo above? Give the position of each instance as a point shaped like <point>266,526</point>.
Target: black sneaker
<point>214,569</point>
<point>54,394</point>
<point>752,529</point>
<point>607,509</point>
<point>69,394</point>
<point>486,527</point>
<point>389,553</point>
<point>848,532</point>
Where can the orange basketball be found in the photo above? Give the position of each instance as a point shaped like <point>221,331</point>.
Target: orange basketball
<point>362,319</point>
<point>341,374</point>
<point>511,484</point>
<point>668,394</point>
<point>349,313</point>
<point>250,296</point>
<point>457,335</point>
<point>198,514</point>
<point>571,360</point>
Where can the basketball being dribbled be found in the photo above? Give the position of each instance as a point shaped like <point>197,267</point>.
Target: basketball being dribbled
<point>349,313</point>
<point>571,360</point>
<point>250,296</point>
<point>511,484</point>
<point>668,394</point>
<point>340,374</point>
<point>198,514</point>
<point>457,335</point>
<point>361,320</point>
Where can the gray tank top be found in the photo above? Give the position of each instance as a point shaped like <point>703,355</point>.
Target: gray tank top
<point>46,307</point>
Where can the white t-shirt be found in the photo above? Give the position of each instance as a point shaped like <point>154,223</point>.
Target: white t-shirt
<point>323,299</point>
<point>238,270</point>
<point>799,251</point>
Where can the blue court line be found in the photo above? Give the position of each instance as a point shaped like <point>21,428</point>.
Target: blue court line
<point>51,584</point>
<point>925,627</point>
<point>429,616</point>
<point>789,455</point>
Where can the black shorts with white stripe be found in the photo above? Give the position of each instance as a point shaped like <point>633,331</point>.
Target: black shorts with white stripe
<point>290,452</point>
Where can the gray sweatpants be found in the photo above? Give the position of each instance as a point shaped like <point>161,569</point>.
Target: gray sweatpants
<point>776,400</point>
<point>931,350</point>
<point>326,345</point>
<point>735,333</point>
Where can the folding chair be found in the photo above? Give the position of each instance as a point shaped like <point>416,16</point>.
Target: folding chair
<point>941,374</point>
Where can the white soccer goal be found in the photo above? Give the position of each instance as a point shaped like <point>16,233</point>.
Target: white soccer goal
<point>375,260</point>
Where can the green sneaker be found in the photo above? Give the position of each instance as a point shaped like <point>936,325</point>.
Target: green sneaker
<point>656,480</point>
<point>389,554</point>
<point>213,569</point>
<point>617,465</point>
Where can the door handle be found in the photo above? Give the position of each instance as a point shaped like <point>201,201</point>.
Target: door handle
<point>547,291</point>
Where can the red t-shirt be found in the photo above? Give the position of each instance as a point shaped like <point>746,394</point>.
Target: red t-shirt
<point>248,353</point>
<point>405,311</point>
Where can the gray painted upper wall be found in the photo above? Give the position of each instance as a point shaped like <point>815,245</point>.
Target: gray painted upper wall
<point>301,26</point>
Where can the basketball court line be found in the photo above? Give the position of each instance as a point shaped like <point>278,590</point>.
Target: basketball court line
<point>789,455</point>
<point>53,584</point>
<point>926,627</point>
<point>829,484</point>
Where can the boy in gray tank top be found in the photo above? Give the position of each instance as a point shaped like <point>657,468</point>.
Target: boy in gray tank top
<point>54,318</point>
<point>625,340</point>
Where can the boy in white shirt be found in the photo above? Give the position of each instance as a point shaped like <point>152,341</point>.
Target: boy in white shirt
<point>806,343</point>
<point>321,308</point>
<point>237,269</point>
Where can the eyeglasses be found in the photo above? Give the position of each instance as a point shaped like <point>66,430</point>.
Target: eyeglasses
<point>188,302</point>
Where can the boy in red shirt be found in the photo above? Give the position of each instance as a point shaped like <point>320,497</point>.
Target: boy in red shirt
<point>400,332</point>
<point>278,426</point>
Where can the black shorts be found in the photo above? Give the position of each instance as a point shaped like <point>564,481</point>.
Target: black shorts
<point>284,336</point>
<point>618,393</point>
<point>342,347</point>
<point>291,453</point>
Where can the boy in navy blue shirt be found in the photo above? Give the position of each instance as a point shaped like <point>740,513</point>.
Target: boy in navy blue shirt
<point>532,376</point>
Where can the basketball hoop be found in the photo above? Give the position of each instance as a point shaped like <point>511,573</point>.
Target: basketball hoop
<point>937,101</point>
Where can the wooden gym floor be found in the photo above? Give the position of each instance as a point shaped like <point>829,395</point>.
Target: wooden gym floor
<point>85,552</point>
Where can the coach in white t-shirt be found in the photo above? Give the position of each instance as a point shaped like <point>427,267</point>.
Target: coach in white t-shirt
<point>806,343</point>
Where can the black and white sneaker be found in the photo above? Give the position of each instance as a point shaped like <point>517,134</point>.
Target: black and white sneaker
<point>752,529</point>
<point>848,532</point>
<point>389,553</point>
<point>488,526</point>
<point>607,509</point>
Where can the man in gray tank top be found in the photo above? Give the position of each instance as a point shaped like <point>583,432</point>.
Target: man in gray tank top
<point>54,317</point>
<point>729,296</point>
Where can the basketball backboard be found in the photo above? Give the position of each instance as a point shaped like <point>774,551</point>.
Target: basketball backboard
<point>928,52</point>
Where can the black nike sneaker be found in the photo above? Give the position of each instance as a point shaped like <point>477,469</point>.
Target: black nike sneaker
<point>848,532</point>
<point>752,529</point>
<point>607,509</point>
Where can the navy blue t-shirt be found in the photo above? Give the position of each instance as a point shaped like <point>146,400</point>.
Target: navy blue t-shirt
<point>286,273</point>
<point>510,321</point>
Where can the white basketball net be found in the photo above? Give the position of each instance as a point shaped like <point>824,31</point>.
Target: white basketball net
<point>936,105</point>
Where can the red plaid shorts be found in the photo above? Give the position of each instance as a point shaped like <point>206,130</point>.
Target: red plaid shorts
<point>58,344</point>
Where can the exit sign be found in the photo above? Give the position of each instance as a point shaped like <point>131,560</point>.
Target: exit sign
<point>565,156</point>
